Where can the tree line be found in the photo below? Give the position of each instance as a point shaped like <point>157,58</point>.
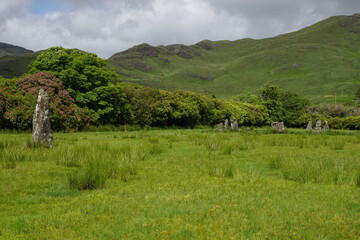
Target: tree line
<point>83,92</point>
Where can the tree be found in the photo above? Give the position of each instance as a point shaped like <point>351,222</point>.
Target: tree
<point>283,105</point>
<point>79,71</point>
<point>111,105</point>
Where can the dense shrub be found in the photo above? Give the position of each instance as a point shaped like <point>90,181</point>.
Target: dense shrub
<point>352,123</point>
<point>283,105</point>
<point>183,108</point>
<point>18,100</point>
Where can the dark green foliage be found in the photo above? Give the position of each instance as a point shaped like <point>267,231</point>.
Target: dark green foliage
<point>352,123</point>
<point>111,105</point>
<point>283,105</point>
<point>79,71</point>
<point>183,108</point>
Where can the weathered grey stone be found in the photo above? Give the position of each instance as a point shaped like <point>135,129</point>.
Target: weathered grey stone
<point>326,126</point>
<point>42,134</point>
<point>234,124</point>
<point>221,127</point>
<point>318,126</point>
<point>279,127</point>
<point>309,126</point>
<point>226,125</point>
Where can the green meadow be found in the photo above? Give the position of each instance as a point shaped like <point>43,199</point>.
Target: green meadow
<point>181,184</point>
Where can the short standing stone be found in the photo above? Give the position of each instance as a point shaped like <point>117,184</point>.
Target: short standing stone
<point>221,127</point>
<point>309,126</point>
<point>234,124</point>
<point>42,134</point>
<point>318,126</point>
<point>281,127</point>
<point>326,126</point>
<point>226,125</point>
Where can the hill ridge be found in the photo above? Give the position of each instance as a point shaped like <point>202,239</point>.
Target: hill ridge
<point>321,62</point>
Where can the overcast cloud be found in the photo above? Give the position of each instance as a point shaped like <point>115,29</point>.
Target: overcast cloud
<point>109,26</point>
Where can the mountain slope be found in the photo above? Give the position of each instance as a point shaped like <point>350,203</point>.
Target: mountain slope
<point>320,62</point>
<point>8,49</point>
<point>14,60</point>
<point>15,66</point>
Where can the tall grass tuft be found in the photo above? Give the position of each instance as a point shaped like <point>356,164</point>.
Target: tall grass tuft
<point>337,145</point>
<point>71,157</point>
<point>315,170</point>
<point>248,176</point>
<point>10,156</point>
<point>226,170</point>
<point>92,176</point>
<point>357,181</point>
<point>102,163</point>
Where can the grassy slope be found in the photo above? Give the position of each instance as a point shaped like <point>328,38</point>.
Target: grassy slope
<point>14,60</point>
<point>318,62</point>
<point>175,195</point>
<point>15,66</point>
<point>8,49</point>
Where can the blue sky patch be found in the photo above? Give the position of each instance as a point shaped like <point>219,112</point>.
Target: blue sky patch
<point>41,7</point>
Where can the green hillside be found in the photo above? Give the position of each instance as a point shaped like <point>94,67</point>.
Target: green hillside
<point>14,60</point>
<point>15,66</point>
<point>8,49</point>
<point>320,62</point>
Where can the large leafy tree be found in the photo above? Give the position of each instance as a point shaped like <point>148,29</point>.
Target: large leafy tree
<point>283,105</point>
<point>79,71</point>
<point>86,78</point>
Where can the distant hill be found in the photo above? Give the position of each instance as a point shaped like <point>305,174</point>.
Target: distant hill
<point>15,66</point>
<point>320,62</point>
<point>14,60</point>
<point>8,49</point>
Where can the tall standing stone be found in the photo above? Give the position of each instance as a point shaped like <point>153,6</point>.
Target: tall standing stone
<point>309,126</point>
<point>42,134</point>
<point>326,126</point>
<point>234,125</point>
<point>226,125</point>
<point>318,126</point>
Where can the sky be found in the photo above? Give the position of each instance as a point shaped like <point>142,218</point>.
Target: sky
<point>105,27</point>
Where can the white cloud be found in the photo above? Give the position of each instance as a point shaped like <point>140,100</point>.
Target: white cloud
<point>108,26</point>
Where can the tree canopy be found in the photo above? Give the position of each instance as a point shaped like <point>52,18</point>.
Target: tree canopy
<point>79,71</point>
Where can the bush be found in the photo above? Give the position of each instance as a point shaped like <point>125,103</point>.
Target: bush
<point>18,101</point>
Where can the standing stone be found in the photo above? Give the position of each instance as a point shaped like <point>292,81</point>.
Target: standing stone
<point>281,127</point>
<point>318,126</point>
<point>221,127</point>
<point>234,125</point>
<point>326,126</point>
<point>42,134</point>
<point>226,126</point>
<point>309,126</point>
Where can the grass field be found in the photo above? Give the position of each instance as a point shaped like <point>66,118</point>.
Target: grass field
<point>181,184</point>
